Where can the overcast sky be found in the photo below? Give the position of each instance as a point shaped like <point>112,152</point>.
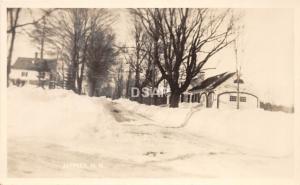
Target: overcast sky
<point>265,47</point>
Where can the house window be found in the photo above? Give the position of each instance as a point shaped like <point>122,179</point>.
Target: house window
<point>232,98</point>
<point>243,99</point>
<point>24,74</point>
<point>42,75</point>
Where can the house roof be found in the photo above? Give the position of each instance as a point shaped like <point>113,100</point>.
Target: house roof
<point>212,82</point>
<point>33,64</point>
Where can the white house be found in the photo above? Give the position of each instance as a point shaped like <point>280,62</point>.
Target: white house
<point>220,91</point>
<point>33,70</point>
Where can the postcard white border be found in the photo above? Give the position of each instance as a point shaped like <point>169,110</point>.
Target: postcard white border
<point>141,4</point>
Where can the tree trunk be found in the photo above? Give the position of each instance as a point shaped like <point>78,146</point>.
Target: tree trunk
<point>63,74</point>
<point>140,97</point>
<point>174,99</point>
<point>10,52</point>
<point>92,87</point>
<point>13,23</point>
<point>79,86</point>
<point>75,77</point>
<point>80,79</point>
<point>137,77</point>
<point>128,84</point>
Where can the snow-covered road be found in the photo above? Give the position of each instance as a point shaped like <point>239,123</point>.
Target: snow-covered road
<point>104,138</point>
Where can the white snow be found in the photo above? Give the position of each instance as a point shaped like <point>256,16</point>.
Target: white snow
<point>131,139</point>
<point>255,129</point>
<point>55,114</point>
<point>265,132</point>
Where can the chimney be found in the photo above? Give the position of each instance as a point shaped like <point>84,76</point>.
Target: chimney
<point>34,61</point>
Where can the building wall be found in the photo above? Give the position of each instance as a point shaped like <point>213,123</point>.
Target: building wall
<point>227,86</point>
<point>17,74</point>
<point>230,101</point>
<point>31,75</point>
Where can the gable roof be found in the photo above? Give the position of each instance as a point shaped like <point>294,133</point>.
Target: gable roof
<point>213,82</point>
<point>33,64</point>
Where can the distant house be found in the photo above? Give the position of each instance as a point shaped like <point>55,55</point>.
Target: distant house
<point>220,91</point>
<point>33,71</point>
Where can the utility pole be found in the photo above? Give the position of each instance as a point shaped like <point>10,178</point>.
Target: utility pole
<point>238,76</point>
<point>43,38</point>
<point>42,71</point>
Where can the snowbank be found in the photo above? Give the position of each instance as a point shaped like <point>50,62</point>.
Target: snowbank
<point>164,116</point>
<point>54,114</point>
<point>259,131</point>
<point>64,116</point>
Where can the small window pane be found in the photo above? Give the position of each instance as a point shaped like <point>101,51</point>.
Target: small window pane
<point>232,98</point>
<point>243,99</point>
<point>24,74</point>
<point>42,74</point>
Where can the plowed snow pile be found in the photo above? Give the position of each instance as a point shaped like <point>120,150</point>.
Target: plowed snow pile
<point>51,129</point>
<point>58,115</point>
<point>64,116</point>
<point>253,129</point>
<point>258,130</point>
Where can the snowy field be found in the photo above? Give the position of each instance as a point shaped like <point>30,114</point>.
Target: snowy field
<point>55,133</point>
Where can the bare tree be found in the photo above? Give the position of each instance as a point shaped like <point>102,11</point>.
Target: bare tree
<point>119,82</point>
<point>137,56</point>
<point>140,57</point>
<point>13,20</point>
<point>41,35</point>
<point>75,31</point>
<point>128,83</point>
<point>100,57</point>
<point>189,38</point>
